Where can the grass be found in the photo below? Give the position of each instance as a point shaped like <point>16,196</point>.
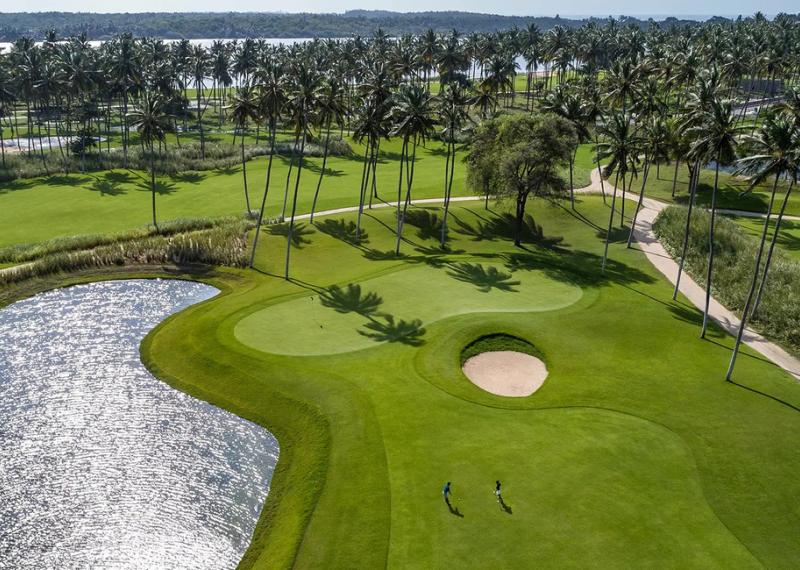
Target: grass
<point>732,193</point>
<point>788,239</point>
<point>624,457</point>
<point>108,202</point>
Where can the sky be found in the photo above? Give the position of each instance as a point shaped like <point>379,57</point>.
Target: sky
<point>656,8</point>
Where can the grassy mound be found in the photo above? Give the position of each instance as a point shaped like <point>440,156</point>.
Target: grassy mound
<point>497,342</point>
<point>779,314</point>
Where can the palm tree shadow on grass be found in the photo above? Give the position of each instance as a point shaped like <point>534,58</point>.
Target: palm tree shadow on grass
<point>66,180</point>
<point>351,300</point>
<point>428,224</point>
<point>189,177</point>
<point>343,231</point>
<point>618,235</point>
<point>119,176</point>
<point>484,278</point>
<point>299,233</point>
<point>162,188</point>
<point>106,187</point>
<point>401,331</point>
<point>579,268</point>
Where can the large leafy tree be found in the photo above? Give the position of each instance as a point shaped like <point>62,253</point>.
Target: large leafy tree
<point>522,156</point>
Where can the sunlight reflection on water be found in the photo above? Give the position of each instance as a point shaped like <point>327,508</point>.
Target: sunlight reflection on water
<point>102,465</point>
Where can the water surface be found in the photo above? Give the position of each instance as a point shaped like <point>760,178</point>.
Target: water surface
<point>102,465</point>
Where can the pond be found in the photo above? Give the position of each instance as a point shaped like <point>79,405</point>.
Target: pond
<point>101,464</point>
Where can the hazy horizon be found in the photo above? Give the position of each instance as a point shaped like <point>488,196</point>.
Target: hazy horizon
<point>577,9</point>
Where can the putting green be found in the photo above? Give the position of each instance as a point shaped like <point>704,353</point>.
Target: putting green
<point>396,307</point>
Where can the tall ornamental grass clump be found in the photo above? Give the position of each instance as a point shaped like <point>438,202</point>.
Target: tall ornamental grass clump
<point>174,160</point>
<point>220,244</point>
<point>778,316</point>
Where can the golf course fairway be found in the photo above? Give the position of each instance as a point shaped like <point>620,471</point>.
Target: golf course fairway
<point>634,452</point>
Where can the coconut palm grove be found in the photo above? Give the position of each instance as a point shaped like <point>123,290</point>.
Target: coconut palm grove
<point>512,299</point>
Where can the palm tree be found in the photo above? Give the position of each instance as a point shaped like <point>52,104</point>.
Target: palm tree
<point>370,126</point>
<point>332,108</point>
<point>413,117</point>
<point>271,99</point>
<point>453,115</point>
<point>569,105</point>
<point>772,151</point>
<point>244,108</point>
<point>698,108</point>
<point>151,121</point>
<point>620,145</point>
<point>715,139</point>
<point>303,102</point>
<point>200,68</point>
<point>776,147</point>
<point>654,147</point>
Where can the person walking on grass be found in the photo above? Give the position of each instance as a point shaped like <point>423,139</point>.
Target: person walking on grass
<point>446,493</point>
<point>497,491</point>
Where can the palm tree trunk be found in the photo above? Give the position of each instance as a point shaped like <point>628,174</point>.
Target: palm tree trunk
<point>2,145</point>
<point>375,173</point>
<point>571,182</point>
<point>365,178</point>
<point>403,153</point>
<point>200,125</point>
<point>611,220</point>
<point>710,269</point>
<point>244,176</point>
<point>294,204</point>
<point>266,190</point>
<point>407,201</point>
<point>675,176</point>
<point>645,172</point>
<point>322,171</point>
<point>763,285</point>
<point>448,192</point>
<point>289,174</point>
<point>599,168</point>
<point>750,294</point>
<point>692,192</point>
<point>153,184</point>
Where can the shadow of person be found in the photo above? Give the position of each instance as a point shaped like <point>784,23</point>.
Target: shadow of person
<point>453,510</point>
<point>503,505</point>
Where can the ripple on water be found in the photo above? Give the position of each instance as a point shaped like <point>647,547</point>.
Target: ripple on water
<point>102,465</point>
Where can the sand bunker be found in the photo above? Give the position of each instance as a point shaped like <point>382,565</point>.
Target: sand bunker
<point>506,372</point>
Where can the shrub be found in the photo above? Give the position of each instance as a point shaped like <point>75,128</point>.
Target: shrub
<point>496,342</point>
<point>778,316</point>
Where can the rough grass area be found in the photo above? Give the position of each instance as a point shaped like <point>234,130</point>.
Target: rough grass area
<point>221,243</point>
<point>22,253</point>
<point>172,160</point>
<point>497,342</point>
<point>779,314</point>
